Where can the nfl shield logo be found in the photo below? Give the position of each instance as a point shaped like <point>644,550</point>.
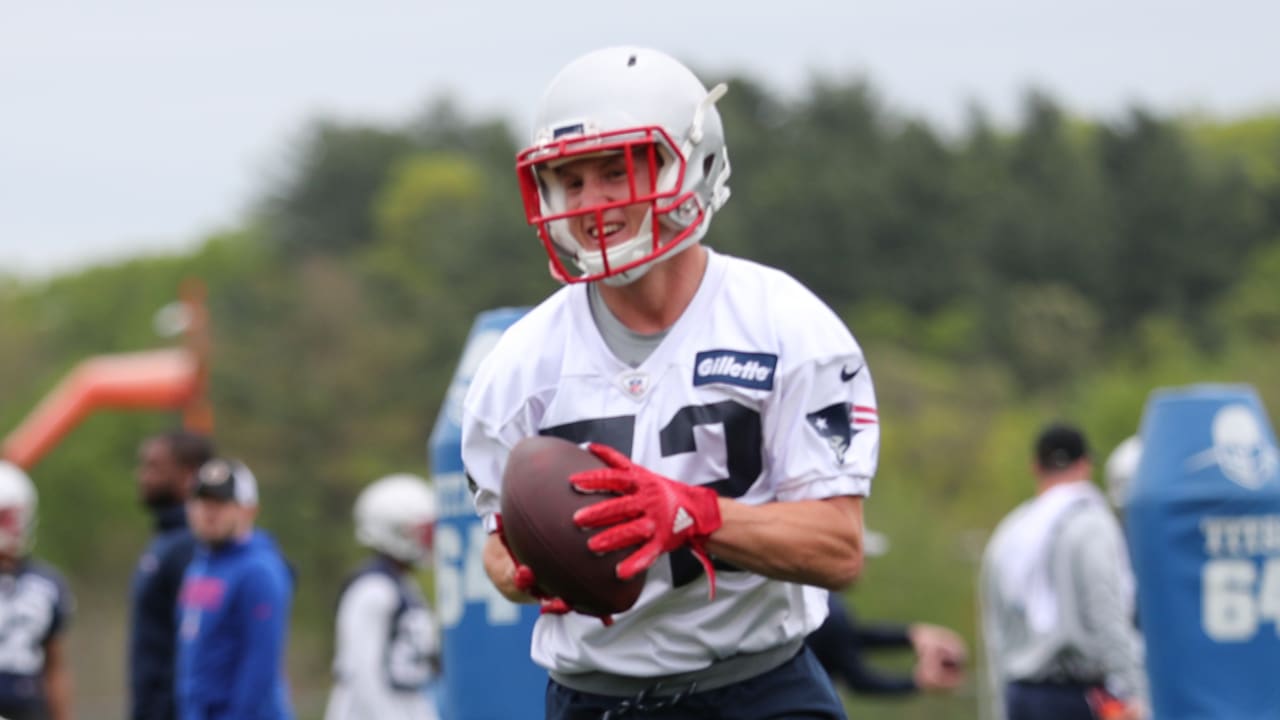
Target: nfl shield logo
<point>635,384</point>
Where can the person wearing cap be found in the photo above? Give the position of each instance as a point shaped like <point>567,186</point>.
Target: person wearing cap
<point>1057,597</point>
<point>233,609</point>
<point>35,608</point>
<point>166,471</point>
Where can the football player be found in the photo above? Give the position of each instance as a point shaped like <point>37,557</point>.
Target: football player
<point>387,651</point>
<point>35,607</point>
<point>733,409</point>
<point>1119,470</point>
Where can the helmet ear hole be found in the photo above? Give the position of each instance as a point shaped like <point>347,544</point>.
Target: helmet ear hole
<point>707,162</point>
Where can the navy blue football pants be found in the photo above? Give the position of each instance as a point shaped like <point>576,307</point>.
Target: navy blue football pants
<point>798,689</point>
<point>24,711</point>
<point>1047,701</point>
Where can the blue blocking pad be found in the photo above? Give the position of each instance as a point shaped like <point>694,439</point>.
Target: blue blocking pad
<point>1203,523</point>
<point>487,670</point>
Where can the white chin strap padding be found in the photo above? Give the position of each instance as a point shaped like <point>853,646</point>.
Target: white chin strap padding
<point>628,277</point>
<point>591,262</point>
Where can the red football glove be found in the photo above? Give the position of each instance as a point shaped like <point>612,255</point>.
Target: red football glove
<point>1106,706</point>
<point>657,513</point>
<point>527,583</point>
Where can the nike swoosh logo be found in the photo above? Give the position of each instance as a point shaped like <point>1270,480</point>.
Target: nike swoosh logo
<point>846,376</point>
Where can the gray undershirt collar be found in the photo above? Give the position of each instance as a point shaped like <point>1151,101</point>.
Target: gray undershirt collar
<point>628,345</point>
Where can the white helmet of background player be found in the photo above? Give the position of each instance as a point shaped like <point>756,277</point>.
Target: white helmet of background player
<point>395,515</point>
<point>1122,465</point>
<point>641,104</point>
<point>17,510</point>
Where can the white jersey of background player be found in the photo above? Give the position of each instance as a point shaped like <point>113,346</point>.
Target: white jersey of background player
<point>707,370</point>
<point>385,635</point>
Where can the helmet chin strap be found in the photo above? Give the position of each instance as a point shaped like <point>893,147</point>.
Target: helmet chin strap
<point>629,276</point>
<point>592,262</point>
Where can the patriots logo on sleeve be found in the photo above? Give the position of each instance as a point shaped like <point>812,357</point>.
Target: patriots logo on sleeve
<point>838,423</point>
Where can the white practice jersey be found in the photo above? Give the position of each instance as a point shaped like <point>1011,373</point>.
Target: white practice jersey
<point>386,643</point>
<point>758,390</point>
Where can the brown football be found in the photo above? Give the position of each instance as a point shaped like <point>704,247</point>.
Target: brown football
<point>537,518</point>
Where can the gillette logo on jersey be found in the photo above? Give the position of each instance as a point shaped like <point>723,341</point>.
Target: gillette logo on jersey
<point>731,367</point>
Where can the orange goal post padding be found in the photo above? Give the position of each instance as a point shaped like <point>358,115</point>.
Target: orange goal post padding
<point>157,379</point>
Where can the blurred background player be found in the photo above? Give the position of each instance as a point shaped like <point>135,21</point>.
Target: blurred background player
<point>1120,469</point>
<point>1058,597</point>
<point>843,641</point>
<point>234,605</point>
<point>35,607</point>
<point>698,367</point>
<point>386,646</point>
<point>167,465</point>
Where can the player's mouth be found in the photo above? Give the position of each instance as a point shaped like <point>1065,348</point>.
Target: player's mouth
<point>603,235</point>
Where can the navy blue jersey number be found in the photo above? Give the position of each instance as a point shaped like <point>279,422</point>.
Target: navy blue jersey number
<point>743,440</point>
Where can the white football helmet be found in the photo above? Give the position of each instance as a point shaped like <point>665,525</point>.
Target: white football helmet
<point>17,510</point>
<point>1122,465</point>
<point>395,515</point>
<point>649,107</point>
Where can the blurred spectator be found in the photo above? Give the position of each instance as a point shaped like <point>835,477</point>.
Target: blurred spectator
<point>387,651</point>
<point>35,607</point>
<point>234,605</point>
<point>841,643</point>
<point>1057,597</point>
<point>167,465</point>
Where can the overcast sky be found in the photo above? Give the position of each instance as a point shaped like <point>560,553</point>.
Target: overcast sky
<point>129,126</point>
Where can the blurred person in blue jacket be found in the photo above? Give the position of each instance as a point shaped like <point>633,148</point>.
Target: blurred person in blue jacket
<point>35,607</point>
<point>167,465</point>
<point>233,607</point>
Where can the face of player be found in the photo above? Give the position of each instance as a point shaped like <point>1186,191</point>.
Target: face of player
<point>10,534</point>
<point>594,181</point>
<point>216,522</point>
<point>160,477</point>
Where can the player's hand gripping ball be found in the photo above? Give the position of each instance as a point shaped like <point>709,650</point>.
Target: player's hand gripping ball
<point>653,512</point>
<point>538,504</point>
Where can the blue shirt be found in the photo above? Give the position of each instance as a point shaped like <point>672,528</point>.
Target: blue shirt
<point>153,625</point>
<point>233,617</point>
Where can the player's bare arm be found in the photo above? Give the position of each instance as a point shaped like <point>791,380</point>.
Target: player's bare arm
<point>815,542</point>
